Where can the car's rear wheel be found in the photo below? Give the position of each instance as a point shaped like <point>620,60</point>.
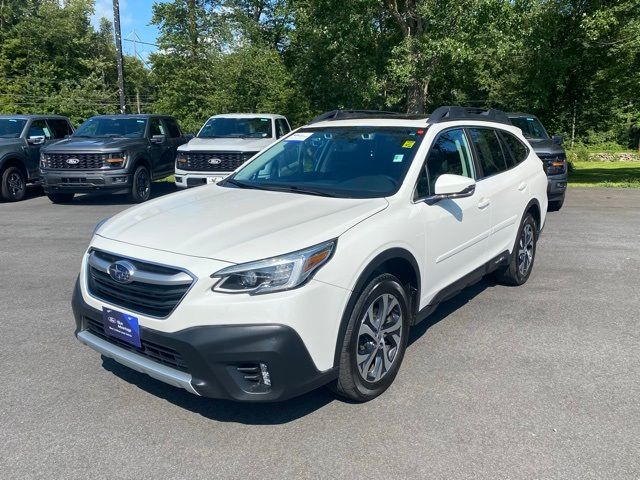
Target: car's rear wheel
<point>60,198</point>
<point>13,184</point>
<point>140,185</point>
<point>375,340</point>
<point>522,256</point>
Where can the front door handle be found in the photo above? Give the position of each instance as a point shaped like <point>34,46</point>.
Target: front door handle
<point>484,203</point>
<point>522,186</point>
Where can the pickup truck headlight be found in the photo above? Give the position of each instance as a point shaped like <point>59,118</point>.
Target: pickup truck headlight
<point>181,159</point>
<point>44,159</point>
<point>116,160</point>
<point>274,274</point>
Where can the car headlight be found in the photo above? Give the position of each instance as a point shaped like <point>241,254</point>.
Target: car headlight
<point>44,158</point>
<point>274,274</point>
<point>98,225</point>
<point>116,160</point>
<point>181,159</point>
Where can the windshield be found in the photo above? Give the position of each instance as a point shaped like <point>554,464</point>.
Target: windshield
<point>531,127</point>
<point>256,127</point>
<point>11,127</point>
<point>349,162</point>
<point>112,127</point>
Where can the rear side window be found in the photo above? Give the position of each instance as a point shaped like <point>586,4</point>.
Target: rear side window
<point>515,150</point>
<point>60,127</point>
<point>489,150</point>
<point>172,126</point>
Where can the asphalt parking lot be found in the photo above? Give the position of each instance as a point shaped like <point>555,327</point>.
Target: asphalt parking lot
<point>541,381</point>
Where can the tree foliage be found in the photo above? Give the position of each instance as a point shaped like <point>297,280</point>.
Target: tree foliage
<point>574,63</point>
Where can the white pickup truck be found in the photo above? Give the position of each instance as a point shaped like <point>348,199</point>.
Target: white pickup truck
<point>223,144</point>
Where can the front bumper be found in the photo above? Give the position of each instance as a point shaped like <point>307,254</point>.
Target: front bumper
<point>87,181</point>
<point>214,359</point>
<point>187,179</point>
<point>556,186</point>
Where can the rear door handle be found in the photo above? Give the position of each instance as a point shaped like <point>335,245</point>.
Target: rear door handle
<point>522,186</point>
<point>484,203</point>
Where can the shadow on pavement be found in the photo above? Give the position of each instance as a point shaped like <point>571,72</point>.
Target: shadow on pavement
<point>158,189</point>
<point>224,410</point>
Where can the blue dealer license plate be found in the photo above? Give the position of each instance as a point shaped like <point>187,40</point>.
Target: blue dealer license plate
<point>121,326</point>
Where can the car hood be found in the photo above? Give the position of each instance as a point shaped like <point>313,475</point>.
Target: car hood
<point>226,144</point>
<point>11,142</point>
<point>87,144</point>
<point>237,225</point>
<point>545,146</point>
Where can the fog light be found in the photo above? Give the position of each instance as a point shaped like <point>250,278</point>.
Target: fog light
<point>266,378</point>
<point>178,179</point>
<point>120,180</point>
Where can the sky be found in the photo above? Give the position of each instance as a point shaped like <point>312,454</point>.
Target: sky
<point>135,16</point>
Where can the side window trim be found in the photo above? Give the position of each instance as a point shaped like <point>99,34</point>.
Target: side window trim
<point>424,168</point>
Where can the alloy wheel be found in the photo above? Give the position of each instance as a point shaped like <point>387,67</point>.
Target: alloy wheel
<point>379,337</point>
<point>15,184</point>
<point>143,185</point>
<point>525,249</point>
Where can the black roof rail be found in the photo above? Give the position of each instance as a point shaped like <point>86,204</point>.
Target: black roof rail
<point>355,114</point>
<point>452,113</point>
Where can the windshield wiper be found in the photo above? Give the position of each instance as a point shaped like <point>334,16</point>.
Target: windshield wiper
<point>296,189</point>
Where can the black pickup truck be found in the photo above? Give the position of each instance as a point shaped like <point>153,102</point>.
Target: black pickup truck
<point>112,154</point>
<point>21,138</point>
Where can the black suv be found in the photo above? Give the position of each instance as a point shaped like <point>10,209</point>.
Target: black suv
<point>112,154</point>
<point>21,137</point>
<point>550,151</point>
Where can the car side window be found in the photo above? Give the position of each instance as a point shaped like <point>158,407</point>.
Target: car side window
<point>172,127</point>
<point>281,127</point>
<point>156,127</point>
<point>489,150</point>
<point>39,128</point>
<point>60,128</point>
<point>518,151</point>
<point>450,153</point>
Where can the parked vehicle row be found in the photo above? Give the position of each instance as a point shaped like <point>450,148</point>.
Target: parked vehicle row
<point>310,263</point>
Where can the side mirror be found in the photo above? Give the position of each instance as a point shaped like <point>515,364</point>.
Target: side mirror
<point>452,186</point>
<point>36,140</point>
<point>557,139</point>
<point>158,139</point>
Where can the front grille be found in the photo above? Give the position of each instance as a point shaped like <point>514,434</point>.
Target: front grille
<point>156,299</point>
<point>85,161</point>
<point>213,161</point>
<point>158,353</point>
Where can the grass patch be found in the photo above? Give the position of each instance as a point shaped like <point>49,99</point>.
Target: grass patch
<point>605,174</point>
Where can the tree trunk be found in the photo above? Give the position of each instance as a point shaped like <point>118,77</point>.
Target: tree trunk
<point>417,96</point>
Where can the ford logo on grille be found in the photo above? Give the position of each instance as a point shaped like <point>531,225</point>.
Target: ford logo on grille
<point>73,161</point>
<point>122,271</point>
<point>214,161</point>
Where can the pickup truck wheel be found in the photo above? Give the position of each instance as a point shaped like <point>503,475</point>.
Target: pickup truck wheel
<point>522,256</point>
<point>60,198</point>
<point>13,185</point>
<point>375,340</point>
<point>555,205</point>
<point>141,185</point>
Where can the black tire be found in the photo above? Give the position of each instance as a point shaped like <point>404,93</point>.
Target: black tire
<point>140,185</point>
<point>351,382</point>
<point>555,205</point>
<point>13,184</point>
<point>60,198</point>
<point>522,256</point>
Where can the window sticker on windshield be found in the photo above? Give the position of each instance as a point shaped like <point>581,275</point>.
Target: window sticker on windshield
<point>299,137</point>
<point>398,158</point>
<point>408,144</point>
<point>140,121</point>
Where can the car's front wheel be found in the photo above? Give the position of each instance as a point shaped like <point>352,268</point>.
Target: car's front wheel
<point>375,340</point>
<point>13,185</point>
<point>140,185</point>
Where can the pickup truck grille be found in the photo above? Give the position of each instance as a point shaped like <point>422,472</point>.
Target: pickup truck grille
<point>154,290</point>
<point>213,161</point>
<point>548,160</point>
<point>79,161</point>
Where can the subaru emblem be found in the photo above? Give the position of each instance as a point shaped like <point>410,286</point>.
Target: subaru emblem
<point>122,271</point>
<point>214,161</point>
<point>73,161</point>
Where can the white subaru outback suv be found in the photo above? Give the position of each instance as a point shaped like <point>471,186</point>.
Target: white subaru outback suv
<point>309,265</point>
<point>223,144</point>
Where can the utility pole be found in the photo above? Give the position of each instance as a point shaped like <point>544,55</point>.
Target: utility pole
<point>120,63</point>
<point>135,54</point>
